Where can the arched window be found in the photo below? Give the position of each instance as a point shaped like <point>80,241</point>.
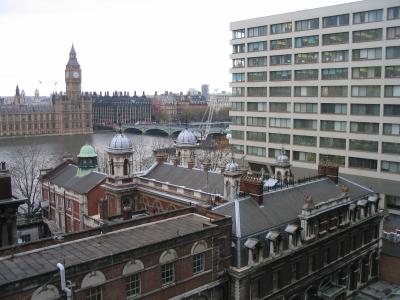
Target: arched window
<point>167,261</point>
<point>112,167</point>
<point>47,292</point>
<point>126,167</point>
<point>131,272</point>
<point>92,282</point>
<point>198,255</point>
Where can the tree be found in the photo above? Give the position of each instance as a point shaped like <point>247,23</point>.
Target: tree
<point>25,169</point>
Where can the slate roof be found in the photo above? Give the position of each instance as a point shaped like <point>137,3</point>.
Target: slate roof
<point>190,178</point>
<point>283,206</point>
<point>65,177</point>
<point>41,261</point>
<point>25,108</point>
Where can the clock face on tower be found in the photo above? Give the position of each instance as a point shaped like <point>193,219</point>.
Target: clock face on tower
<point>75,74</point>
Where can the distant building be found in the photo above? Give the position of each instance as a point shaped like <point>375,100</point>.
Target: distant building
<point>205,90</point>
<point>120,107</point>
<point>69,113</point>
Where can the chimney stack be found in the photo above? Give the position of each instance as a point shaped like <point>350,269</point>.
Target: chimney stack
<point>206,165</point>
<point>127,213</point>
<point>329,170</point>
<point>176,161</point>
<point>190,163</point>
<point>253,186</point>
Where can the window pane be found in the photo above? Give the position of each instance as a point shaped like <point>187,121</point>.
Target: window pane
<point>238,34</point>
<point>257,31</point>
<point>279,138</point>
<point>281,60</point>
<point>334,73</point>
<point>307,41</point>
<point>280,75</point>
<point>281,44</point>
<point>335,38</point>
<point>307,24</point>
<point>281,28</point>
<point>367,35</point>
<point>335,21</point>
<point>256,61</point>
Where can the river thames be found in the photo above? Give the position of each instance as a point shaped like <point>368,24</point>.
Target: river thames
<point>54,147</point>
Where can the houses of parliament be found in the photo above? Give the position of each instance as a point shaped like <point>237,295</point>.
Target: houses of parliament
<point>67,113</point>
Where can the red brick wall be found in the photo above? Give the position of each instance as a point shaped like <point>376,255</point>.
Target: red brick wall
<point>389,268</point>
<point>93,198</point>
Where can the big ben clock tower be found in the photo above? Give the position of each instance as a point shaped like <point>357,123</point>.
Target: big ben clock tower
<point>73,77</point>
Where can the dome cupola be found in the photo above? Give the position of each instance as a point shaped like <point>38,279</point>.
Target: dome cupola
<point>186,137</point>
<point>120,144</point>
<point>87,160</point>
<point>232,166</point>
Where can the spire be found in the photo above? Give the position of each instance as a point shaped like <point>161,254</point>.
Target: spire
<point>17,90</point>
<point>72,52</point>
<point>72,57</point>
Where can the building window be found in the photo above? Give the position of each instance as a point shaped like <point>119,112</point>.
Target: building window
<point>279,138</point>
<point>335,56</point>
<point>309,108</point>
<point>307,41</point>
<point>258,46</point>
<point>332,143</point>
<point>336,159</point>
<point>392,90</point>
<point>311,74</point>
<point>334,73</point>
<point>280,75</point>
<point>237,134</point>
<point>305,91</point>
<point>279,122</point>
<point>368,35</point>
<point>393,13</point>
<point>257,91</point>
<point>256,121</point>
<point>238,63</point>
<point>276,280</point>
<point>335,38</point>
<point>256,61</point>
<point>391,148</point>
<point>238,34</point>
<point>390,166</point>
<point>312,263</point>
<point>363,163</point>
<point>368,16</point>
<point>339,126</point>
<point>238,48</point>
<point>273,152</point>
<point>284,91</point>
<point>282,107</point>
<point>238,77</point>
<point>392,71</point>
<point>391,110</point>
<point>305,124</point>
<point>304,140</point>
<point>304,156</point>
<point>366,72</point>
<point>238,92</point>
<point>237,120</point>
<point>392,202</point>
<point>366,91</point>
<point>276,60</point>
<point>391,129</point>
<point>361,145</point>
<point>306,58</point>
<point>393,33</point>
<point>367,54</point>
<point>334,91</point>
<point>239,149</point>
<point>335,21</point>
<point>25,238</point>
<point>257,31</point>
<point>257,76</point>
<point>281,28</point>
<point>167,273</point>
<point>257,151</point>
<point>256,136</point>
<point>256,106</point>
<point>132,286</point>
<point>198,263</point>
<point>365,109</point>
<point>281,44</point>
<point>364,127</point>
<point>94,293</point>
<point>307,24</point>
<point>237,106</point>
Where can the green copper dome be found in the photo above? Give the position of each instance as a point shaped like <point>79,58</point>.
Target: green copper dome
<point>87,151</point>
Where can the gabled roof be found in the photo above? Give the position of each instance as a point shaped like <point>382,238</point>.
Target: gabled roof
<point>283,206</point>
<point>190,178</point>
<point>66,177</point>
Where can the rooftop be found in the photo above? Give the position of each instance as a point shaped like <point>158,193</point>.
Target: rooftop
<point>43,260</point>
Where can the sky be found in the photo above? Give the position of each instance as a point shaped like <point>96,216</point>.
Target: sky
<point>125,45</point>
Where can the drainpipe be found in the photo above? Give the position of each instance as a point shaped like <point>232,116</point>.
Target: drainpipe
<point>64,288</point>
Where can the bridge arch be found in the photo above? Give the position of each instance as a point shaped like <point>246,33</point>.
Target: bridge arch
<point>133,130</point>
<point>156,131</point>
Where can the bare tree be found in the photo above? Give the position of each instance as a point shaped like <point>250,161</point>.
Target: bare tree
<point>142,154</point>
<point>25,170</point>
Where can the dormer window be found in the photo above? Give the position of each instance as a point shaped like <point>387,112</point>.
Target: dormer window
<point>274,239</point>
<point>253,245</point>
<point>293,231</point>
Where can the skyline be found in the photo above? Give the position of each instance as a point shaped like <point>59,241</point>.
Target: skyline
<point>187,44</point>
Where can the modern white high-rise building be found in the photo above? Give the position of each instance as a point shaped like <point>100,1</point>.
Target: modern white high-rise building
<point>324,84</point>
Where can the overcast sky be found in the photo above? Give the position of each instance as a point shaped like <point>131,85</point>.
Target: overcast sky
<point>125,45</point>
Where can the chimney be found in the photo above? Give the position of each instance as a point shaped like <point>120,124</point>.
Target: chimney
<point>253,186</point>
<point>103,209</point>
<point>127,213</point>
<point>329,170</point>
<point>206,165</point>
<point>160,156</point>
<point>5,182</point>
<point>134,94</point>
<point>177,161</point>
<point>190,163</point>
